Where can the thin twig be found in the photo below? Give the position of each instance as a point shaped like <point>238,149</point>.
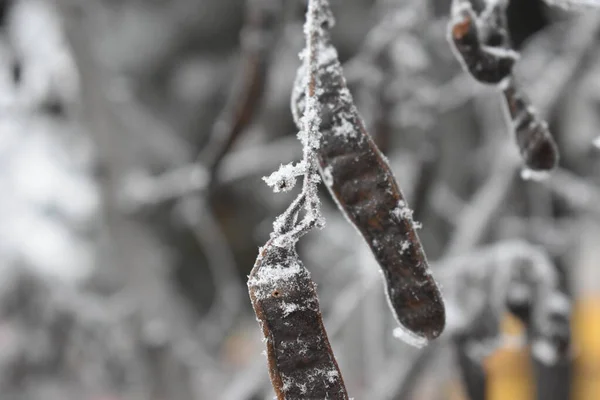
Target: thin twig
<point>139,192</point>
<point>258,40</point>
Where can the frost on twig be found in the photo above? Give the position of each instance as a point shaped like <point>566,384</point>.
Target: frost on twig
<point>511,276</point>
<point>361,182</point>
<point>284,179</point>
<point>284,297</point>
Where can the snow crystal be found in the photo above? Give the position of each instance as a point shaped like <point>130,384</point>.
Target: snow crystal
<point>532,175</point>
<point>311,120</point>
<point>405,245</point>
<point>328,56</point>
<point>403,212</point>
<point>318,374</point>
<point>284,179</point>
<point>289,308</point>
<point>409,337</point>
<point>345,129</point>
<point>332,375</point>
<point>302,387</point>
<point>287,383</point>
<point>328,175</point>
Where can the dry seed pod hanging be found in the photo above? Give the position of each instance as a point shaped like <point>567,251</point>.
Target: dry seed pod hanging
<point>489,64</point>
<point>361,181</point>
<point>301,362</point>
<point>536,145</point>
<point>481,45</point>
<point>510,276</point>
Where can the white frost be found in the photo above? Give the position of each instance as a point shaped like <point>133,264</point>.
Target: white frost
<point>531,175</point>
<point>289,308</point>
<point>270,277</point>
<point>328,175</point>
<point>284,179</point>
<point>345,129</point>
<point>405,245</point>
<point>403,212</point>
<point>409,337</point>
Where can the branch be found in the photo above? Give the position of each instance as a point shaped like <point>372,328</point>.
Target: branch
<point>259,38</point>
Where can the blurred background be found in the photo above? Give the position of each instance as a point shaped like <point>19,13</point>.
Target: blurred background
<point>133,139</point>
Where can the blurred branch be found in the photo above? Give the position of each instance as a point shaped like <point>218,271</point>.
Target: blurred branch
<point>230,292</point>
<point>475,219</point>
<point>264,20</point>
<point>578,193</point>
<point>141,192</point>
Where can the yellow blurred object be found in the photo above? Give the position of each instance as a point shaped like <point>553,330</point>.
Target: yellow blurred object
<point>586,337</point>
<point>509,369</point>
<point>455,391</point>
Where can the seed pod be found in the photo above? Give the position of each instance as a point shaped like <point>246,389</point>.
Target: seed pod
<point>486,63</point>
<point>481,44</point>
<point>360,180</point>
<point>301,362</point>
<point>536,145</point>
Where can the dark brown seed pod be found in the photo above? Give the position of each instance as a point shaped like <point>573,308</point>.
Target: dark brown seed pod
<point>361,181</point>
<point>486,63</point>
<point>301,362</point>
<point>536,145</point>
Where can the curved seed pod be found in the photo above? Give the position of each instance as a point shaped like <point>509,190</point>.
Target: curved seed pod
<point>489,63</point>
<point>361,181</point>
<point>536,145</point>
<point>301,362</point>
<point>481,44</point>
